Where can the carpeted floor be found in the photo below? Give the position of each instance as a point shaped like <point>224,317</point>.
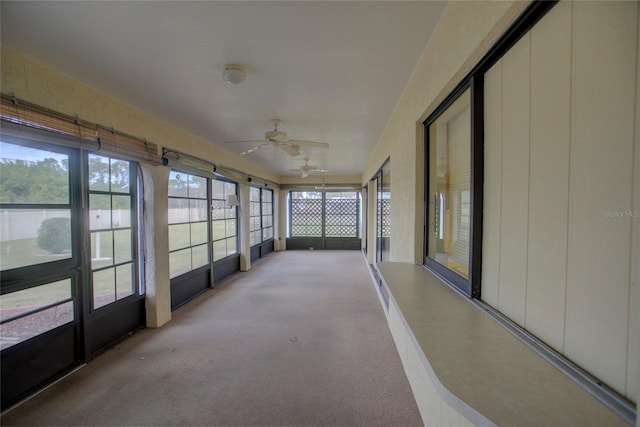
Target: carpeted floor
<point>300,340</point>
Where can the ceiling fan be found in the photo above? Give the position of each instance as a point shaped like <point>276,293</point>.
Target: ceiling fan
<point>281,140</point>
<point>307,169</point>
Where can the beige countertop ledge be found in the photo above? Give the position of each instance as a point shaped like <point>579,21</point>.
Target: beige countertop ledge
<point>477,366</point>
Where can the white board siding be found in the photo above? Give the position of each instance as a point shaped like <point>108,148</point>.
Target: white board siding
<point>633,358</point>
<point>515,181</point>
<point>549,175</point>
<point>559,154</point>
<point>491,217</point>
<point>602,119</point>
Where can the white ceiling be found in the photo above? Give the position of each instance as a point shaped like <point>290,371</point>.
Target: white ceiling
<point>333,71</point>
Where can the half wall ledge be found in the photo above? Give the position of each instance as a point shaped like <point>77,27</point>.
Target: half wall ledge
<point>466,369</point>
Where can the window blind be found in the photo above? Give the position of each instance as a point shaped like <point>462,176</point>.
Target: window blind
<point>20,118</point>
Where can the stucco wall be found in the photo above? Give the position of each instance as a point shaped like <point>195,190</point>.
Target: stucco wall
<point>464,34</point>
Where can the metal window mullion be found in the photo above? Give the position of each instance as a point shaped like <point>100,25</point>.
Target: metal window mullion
<point>34,206</point>
<point>36,310</point>
<point>323,213</point>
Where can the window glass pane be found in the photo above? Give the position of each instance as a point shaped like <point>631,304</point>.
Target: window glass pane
<point>230,213</point>
<point>198,233</point>
<point>254,209</point>
<point>121,211</point>
<point>197,187</point>
<point>200,256</point>
<point>198,210</point>
<point>178,184</point>
<point>17,303</point>
<point>179,236</point>
<point>124,280</point>
<point>450,187</point>
<point>104,291</point>
<point>178,210</point>
<point>306,214</point>
<point>229,188</point>
<point>217,188</point>
<point>31,175</point>
<point>218,209</point>
<point>218,230</point>
<point>99,174</point>
<point>341,210</point>
<point>34,236</point>
<point>267,209</point>
<point>267,233</point>
<point>99,211</point>
<point>120,176</point>
<point>101,249</point>
<point>230,226</point>
<point>123,246</point>
<point>179,262</point>
<point>383,213</point>
<point>254,194</point>
<point>19,330</point>
<point>232,246</point>
<point>255,237</point>
<point>219,249</point>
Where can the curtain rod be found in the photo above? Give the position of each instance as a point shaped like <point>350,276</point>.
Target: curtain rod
<point>212,168</point>
<point>72,119</point>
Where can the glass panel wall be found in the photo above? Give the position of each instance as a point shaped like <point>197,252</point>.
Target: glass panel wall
<point>224,219</point>
<point>188,222</point>
<point>383,207</point>
<point>305,214</point>
<point>267,214</point>
<point>35,219</point>
<point>255,217</point>
<point>449,180</point>
<point>111,222</point>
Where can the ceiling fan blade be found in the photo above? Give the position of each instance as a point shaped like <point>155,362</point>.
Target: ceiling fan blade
<point>254,141</point>
<point>308,143</point>
<point>319,171</point>
<point>290,149</point>
<point>251,150</point>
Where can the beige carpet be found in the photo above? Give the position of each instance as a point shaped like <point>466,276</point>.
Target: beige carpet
<point>299,340</point>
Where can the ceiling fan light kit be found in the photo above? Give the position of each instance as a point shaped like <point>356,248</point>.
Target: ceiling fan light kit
<point>307,169</point>
<point>281,140</point>
<point>234,73</point>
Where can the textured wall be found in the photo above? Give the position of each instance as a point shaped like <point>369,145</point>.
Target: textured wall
<point>463,35</point>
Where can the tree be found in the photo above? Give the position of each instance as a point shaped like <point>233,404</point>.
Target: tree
<point>54,235</point>
<point>42,181</point>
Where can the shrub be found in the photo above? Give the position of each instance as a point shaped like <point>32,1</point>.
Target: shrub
<point>54,235</point>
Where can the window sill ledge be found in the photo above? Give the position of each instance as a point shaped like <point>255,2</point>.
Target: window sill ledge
<point>475,366</point>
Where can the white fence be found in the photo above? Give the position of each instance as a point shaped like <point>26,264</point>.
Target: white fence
<point>24,224</point>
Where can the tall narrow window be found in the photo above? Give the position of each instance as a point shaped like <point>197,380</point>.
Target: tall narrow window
<point>188,223</point>
<point>383,181</point>
<point>36,228</point>
<point>112,218</point>
<point>224,220</point>
<point>450,187</point>
<point>306,214</point>
<point>255,217</point>
<point>267,214</point>
<point>342,214</point>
